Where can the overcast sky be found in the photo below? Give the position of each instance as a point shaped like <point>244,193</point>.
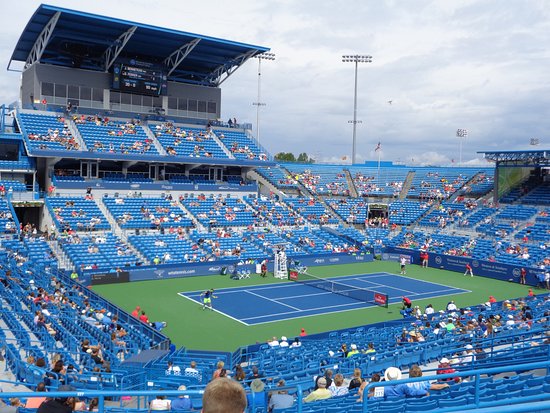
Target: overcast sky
<point>483,66</point>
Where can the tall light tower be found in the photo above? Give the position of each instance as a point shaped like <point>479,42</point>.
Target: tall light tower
<point>258,103</point>
<point>461,134</point>
<point>358,58</point>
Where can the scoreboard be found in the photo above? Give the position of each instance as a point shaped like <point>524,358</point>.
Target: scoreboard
<point>140,78</point>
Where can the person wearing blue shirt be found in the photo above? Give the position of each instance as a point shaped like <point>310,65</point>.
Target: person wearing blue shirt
<point>182,403</point>
<point>421,388</point>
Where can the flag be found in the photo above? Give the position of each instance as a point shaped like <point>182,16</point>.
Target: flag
<point>378,147</point>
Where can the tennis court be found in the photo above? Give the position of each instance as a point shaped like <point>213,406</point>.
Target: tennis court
<point>253,305</point>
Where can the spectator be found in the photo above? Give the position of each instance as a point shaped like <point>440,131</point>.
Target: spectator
<point>280,399</point>
<point>337,387</point>
<point>257,397</point>
<point>136,311</point>
<point>320,394</point>
<point>160,403</point>
<point>328,379</point>
<point>59,404</point>
<point>357,380</point>
<point>303,332</point>
<point>283,342</point>
<point>353,350</point>
<point>254,374</point>
<point>420,388</point>
<point>398,390</point>
<point>224,396</point>
<point>183,402</point>
<point>375,393</point>
<point>172,370</point>
<point>239,373</point>
<point>35,402</point>
<point>444,367</point>
<point>219,368</point>
<point>192,371</point>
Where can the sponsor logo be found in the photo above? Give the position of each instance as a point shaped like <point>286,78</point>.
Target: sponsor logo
<point>181,272</point>
<point>215,269</point>
<point>475,263</point>
<point>134,186</point>
<point>438,260</point>
<point>333,259</point>
<point>319,261</point>
<point>159,273</point>
<point>359,258</point>
<point>167,187</point>
<point>516,271</point>
<point>385,256</point>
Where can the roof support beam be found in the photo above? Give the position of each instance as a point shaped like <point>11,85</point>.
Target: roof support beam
<point>42,41</point>
<point>113,51</point>
<point>174,60</point>
<point>221,73</point>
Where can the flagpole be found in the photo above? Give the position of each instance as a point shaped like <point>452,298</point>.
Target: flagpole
<point>379,166</point>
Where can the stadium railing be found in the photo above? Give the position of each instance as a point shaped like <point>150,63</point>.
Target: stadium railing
<point>521,403</point>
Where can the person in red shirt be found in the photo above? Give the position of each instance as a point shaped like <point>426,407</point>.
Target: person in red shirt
<point>424,259</point>
<point>492,299</point>
<point>135,313</point>
<point>445,368</point>
<point>522,275</point>
<point>531,293</point>
<point>469,270</point>
<point>143,317</point>
<point>407,303</point>
<point>303,332</point>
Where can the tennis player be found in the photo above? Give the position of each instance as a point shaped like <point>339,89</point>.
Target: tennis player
<point>207,297</point>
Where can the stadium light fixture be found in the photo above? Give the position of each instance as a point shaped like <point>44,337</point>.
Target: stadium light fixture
<point>461,134</point>
<point>258,103</point>
<point>355,59</point>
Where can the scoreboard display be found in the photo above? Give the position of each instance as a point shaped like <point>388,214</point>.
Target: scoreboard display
<point>140,78</point>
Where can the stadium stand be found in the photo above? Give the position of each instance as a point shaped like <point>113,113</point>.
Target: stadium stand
<point>102,134</point>
<point>56,330</point>
<point>77,214</point>
<point>321,180</point>
<point>178,140</point>
<point>386,181</point>
<point>278,177</point>
<point>48,132</point>
<point>147,213</point>
<point>241,146</point>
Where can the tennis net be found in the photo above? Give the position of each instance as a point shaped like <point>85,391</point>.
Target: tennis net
<point>356,293</point>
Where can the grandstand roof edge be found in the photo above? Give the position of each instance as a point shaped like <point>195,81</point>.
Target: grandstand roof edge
<point>25,50</point>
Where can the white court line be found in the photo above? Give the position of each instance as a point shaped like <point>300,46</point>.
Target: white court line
<point>309,315</point>
<point>217,311</point>
<point>272,300</point>
<point>416,279</point>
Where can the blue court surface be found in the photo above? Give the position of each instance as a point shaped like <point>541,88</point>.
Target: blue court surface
<point>275,302</point>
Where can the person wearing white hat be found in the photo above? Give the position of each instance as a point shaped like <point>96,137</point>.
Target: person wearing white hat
<point>469,355</point>
<point>283,342</point>
<point>510,321</point>
<point>445,368</point>
<point>397,390</point>
<point>353,350</point>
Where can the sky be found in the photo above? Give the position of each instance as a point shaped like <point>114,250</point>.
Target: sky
<point>437,66</point>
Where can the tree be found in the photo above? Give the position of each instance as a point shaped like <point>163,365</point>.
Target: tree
<point>304,158</point>
<point>289,157</point>
<point>285,157</point>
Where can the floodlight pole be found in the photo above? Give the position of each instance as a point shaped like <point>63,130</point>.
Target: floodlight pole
<point>355,59</point>
<point>461,134</point>
<point>258,103</point>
